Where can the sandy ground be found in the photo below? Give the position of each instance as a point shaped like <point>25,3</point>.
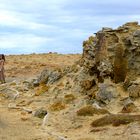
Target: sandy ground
<point>13,128</point>
<point>23,66</point>
<point>16,123</point>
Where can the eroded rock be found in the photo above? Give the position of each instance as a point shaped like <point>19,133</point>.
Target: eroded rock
<point>113,53</point>
<point>49,76</point>
<point>129,106</point>
<point>134,91</point>
<point>40,113</point>
<point>106,93</point>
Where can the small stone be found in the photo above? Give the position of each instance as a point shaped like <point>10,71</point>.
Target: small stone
<point>129,106</point>
<point>35,83</point>
<point>106,93</point>
<point>13,106</point>
<point>136,33</point>
<point>24,118</point>
<point>134,91</point>
<point>40,113</point>
<point>106,29</point>
<point>28,110</point>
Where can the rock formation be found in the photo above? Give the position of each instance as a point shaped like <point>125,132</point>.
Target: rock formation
<point>112,55</point>
<point>65,100</point>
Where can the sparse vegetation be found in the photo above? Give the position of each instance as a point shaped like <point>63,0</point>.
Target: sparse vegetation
<point>69,98</point>
<point>115,120</point>
<point>90,111</point>
<point>41,89</point>
<point>56,96</point>
<point>57,106</point>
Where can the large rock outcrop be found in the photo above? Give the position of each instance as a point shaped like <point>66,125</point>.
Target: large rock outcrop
<point>113,53</point>
<point>112,56</point>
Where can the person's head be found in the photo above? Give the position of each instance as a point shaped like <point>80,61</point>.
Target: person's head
<point>2,57</point>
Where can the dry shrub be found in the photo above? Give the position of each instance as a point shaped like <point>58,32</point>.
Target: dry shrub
<point>27,67</point>
<point>57,106</point>
<point>41,89</point>
<point>90,111</point>
<point>13,84</point>
<point>61,84</point>
<point>69,98</point>
<point>115,120</point>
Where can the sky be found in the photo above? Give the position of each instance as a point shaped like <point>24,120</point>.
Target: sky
<point>42,26</point>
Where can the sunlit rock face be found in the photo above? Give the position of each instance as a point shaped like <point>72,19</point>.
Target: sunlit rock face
<point>111,56</point>
<point>113,53</point>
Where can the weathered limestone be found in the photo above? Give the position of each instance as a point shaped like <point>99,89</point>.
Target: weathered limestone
<point>113,53</point>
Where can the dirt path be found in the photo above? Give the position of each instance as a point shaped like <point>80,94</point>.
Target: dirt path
<point>13,128</point>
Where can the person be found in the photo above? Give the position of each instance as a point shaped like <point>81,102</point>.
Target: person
<point>2,76</point>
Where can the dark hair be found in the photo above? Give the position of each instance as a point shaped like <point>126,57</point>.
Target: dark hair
<point>3,56</point>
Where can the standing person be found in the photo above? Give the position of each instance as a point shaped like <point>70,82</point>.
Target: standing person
<point>2,60</point>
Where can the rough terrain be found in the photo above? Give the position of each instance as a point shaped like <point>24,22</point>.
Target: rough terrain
<point>93,96</point>
<point>17,124</point>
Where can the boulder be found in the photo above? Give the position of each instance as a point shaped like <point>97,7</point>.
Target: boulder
<point>49,76</point>
<point>113,53</point>
<point>106,93</point>
<point>40,113</point>
<point>134,90</point>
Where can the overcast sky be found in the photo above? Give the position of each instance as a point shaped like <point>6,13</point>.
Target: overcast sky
<point>41,26</point>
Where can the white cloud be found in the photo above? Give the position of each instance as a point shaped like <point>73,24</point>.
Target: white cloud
<point>28,41</point>
<point>15,19</point>
<point>57,24</point>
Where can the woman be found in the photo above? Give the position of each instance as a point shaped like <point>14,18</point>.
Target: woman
<point>2,60</point>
